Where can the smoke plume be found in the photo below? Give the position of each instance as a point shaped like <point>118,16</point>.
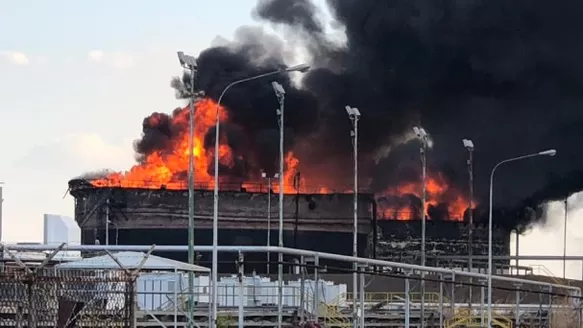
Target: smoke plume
<point>506,74</point>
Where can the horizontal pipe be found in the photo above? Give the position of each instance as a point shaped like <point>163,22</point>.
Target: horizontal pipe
<point>285,250</point>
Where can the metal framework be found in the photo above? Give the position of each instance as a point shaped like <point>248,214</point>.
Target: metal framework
<point>447,303</point>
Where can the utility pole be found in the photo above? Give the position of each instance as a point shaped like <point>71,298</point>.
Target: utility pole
<point>565,239</point>
<point>469,145</point>
<point>280,93</point>
<point>190,63</point>
<point>424,139</point>
<point>354,115</point>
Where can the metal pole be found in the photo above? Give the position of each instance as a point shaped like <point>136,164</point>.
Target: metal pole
<point>191,197</point>
<point>490,251</point>
<point>482,312</point>
<point>550,152</point>
<point>281,186</point>
<point>423,218</point>
<point>355,219</point>
<point>268,220</point>
<point>407,304</point>
<point>441,300</point>
<point>471,220</point>
<point>241,318</point>
<point>317,288</point>
<point>215,221</point>
<point>302,287</point>
<point>565,240</point>
<point>517,310</point>
<point>361,295</point>
<point>107,221</point>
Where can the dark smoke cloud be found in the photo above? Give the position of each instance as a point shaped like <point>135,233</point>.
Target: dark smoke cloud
<point>506,74</point>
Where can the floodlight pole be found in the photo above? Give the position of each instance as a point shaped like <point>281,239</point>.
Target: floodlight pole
<point>214,270</point>
<point>469,145</point>
<point>281,99</point>
<point>550,152</point>
<point>423,151</point>
<point>565,239</point>
<point>354,116</point>
<point>189,62</point>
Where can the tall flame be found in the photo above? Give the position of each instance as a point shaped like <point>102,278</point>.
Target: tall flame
<point>437,192</point>
<point>168,168</point>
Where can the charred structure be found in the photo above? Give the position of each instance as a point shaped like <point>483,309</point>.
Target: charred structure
<point>321,222</point>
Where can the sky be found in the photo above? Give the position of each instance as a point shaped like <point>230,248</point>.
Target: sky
<point>78,77</point>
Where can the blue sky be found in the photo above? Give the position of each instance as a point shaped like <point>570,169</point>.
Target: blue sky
<point>76,80</point>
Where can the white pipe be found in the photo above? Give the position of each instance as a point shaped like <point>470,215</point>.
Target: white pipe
<point>285,250</point>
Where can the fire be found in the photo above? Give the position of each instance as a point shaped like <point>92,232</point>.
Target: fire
<point>438,193</point>
<point>168,168</point>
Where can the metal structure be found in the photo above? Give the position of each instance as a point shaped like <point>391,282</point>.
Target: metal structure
<point>446,306</point>
<point>550,152</point>
<point>469,145</point>
<point>280,94</point>
<point>264,176</point>
<point>297,68</point>
<point>565,237</point>
<point>354,116</point>
<point>190,63</point>
<point>424,139</point>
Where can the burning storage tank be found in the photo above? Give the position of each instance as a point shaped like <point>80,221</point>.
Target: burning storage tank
<point>321,222</point>
<point>142,216</point>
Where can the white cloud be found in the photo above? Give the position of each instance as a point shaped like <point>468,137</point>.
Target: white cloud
<point>117,59</point>
<point>95,55</point>
<point>37,183</point>
<point>77,153</point>
<point>15,57</point>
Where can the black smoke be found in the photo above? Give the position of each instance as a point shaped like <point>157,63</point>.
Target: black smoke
<point>506,74</point>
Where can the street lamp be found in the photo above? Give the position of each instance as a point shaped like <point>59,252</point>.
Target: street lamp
<point>565,238</point>
<point>354,116</point>
<point>469,145</point>
<point>189,63</point>
<point>264,176</point>
<point>280,94</point>
<point>298,68</point>
<point>550,152</point>
<point>423,137</point>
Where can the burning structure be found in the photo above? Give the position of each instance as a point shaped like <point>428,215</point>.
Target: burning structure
<point>503,74</point>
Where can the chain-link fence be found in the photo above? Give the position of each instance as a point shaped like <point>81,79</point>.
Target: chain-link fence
<point>52,297</point>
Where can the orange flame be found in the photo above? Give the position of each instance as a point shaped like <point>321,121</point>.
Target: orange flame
<point>437,191</point>
<point>167,168</point>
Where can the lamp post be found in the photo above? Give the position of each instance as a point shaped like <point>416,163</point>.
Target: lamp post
<point>424,139</point>
<point>469,145</point>
<point>214,273</point>
<point>189,62</point>
<point>565,239</point>
<point>264,176</point>
<point>354,116</point>
<point>280,94</point>
<point>550,152</point>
